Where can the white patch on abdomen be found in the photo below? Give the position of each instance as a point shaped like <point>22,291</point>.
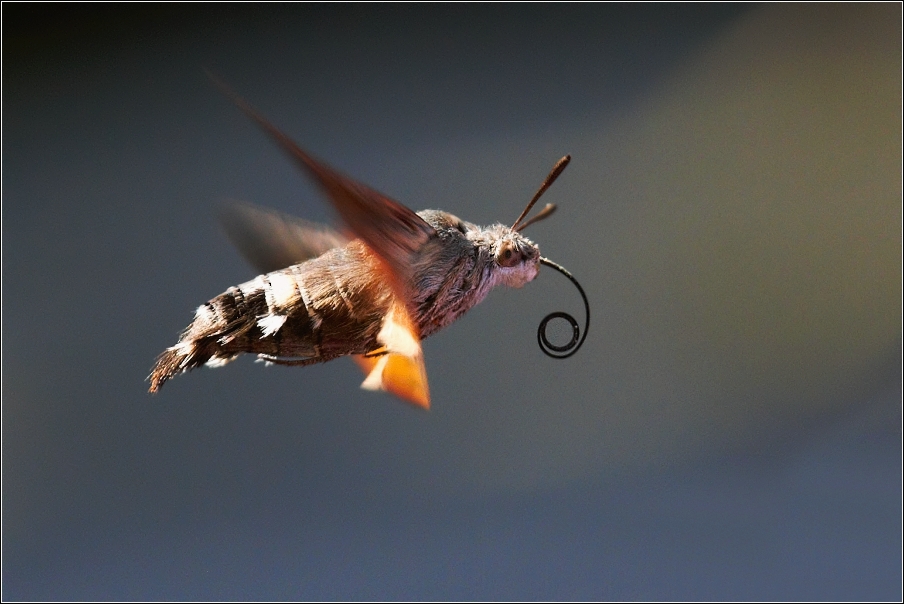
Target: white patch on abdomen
<point>270,324</point>
<point>218,361</point>
<point>282,291</point>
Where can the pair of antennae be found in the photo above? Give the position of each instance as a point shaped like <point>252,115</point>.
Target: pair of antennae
<point>577,337</point>
<point>550,207</point>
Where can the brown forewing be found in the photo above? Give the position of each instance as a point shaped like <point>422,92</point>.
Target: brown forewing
<point>271,240</point>
<point>392,231</point>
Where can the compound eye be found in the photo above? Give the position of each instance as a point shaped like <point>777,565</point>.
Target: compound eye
<point>508,255</point>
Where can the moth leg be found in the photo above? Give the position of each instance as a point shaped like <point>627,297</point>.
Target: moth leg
<point>290,362</point>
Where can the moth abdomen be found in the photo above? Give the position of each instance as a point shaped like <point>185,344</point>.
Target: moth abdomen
<point>324,308</point>
<point>252,317</point>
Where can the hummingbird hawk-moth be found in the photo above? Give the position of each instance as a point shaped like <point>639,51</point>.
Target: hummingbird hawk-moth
<point>394,278</point>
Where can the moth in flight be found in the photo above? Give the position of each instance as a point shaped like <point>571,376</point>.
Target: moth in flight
<point>396,278</point>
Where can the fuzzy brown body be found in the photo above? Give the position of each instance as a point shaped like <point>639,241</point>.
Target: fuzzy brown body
<point>334,305</point>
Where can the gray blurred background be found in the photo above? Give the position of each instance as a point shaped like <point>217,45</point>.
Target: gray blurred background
<point>730,430</point>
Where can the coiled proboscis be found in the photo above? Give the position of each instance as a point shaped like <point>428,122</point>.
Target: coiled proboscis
<point>577,338</point>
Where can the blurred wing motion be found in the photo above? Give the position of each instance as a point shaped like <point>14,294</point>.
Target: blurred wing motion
<point>395,234</point>
<point>397,367</point>
<point>392,231</point>
<point>398,375</point>
<point>271,240</point>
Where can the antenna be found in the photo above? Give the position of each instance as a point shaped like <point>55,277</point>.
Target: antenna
<point>550,208</point>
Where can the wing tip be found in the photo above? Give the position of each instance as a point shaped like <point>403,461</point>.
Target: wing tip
<point>402,376</point>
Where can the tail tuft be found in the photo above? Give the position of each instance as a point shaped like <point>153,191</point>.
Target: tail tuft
<point>185,356</point>
<point>214,336</point>
<point>171,361</point>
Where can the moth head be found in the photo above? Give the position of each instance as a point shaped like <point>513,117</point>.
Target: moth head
<point>517,258</point>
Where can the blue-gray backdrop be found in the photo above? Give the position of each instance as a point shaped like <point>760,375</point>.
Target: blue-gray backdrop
<point>731,429</point>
